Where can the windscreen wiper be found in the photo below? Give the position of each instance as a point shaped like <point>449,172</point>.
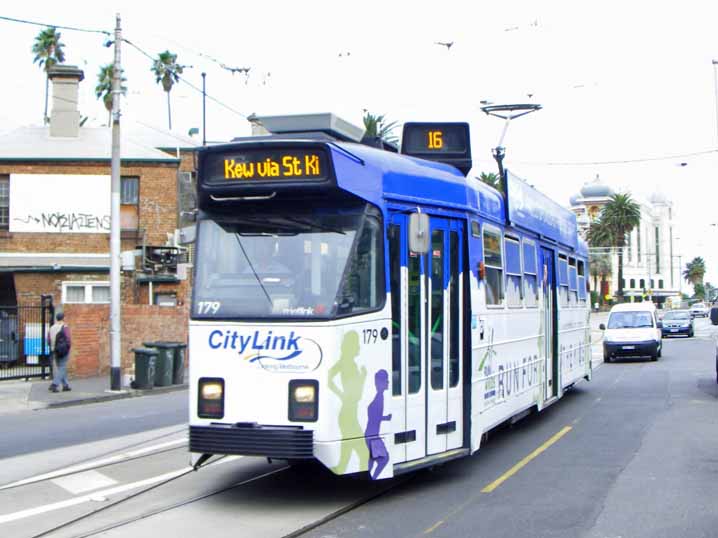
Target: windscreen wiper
<point>259,280</point>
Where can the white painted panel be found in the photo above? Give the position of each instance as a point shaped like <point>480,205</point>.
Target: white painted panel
<point>83,482</point>
<point>59,203</point>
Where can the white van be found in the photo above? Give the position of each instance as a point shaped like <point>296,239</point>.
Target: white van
<point>633,331</point>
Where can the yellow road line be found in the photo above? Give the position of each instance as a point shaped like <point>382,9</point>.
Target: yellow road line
<point>516,468</point>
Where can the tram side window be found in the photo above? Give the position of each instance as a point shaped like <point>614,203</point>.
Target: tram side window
<point>562,280</point>
<point>530,280</point>
<point>514,292</point>
<point>494,267</point>
<point>582,292</point>
<point>572,282</point>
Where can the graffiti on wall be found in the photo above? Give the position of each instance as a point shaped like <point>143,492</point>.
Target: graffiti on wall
<point>59,203</point>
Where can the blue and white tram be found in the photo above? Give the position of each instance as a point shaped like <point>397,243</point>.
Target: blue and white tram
<point>371,310</point>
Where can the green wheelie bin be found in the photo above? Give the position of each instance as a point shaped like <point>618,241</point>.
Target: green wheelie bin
<point>145,359</point>
<point>164,362</point>
<point>178,369</point>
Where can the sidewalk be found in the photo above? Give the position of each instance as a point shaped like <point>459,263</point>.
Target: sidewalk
<point>20,395</point>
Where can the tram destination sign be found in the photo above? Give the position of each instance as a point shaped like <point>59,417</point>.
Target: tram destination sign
<point>443,142</point>
<point>266,164</point>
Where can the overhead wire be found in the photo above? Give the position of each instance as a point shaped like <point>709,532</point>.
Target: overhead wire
<point>56,26</point>
<point>108,33</point>
<point>175,73</point>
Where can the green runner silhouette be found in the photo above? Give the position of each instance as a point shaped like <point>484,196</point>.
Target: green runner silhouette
<point>352,379</point>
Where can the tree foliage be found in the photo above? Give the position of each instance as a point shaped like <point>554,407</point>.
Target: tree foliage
<point>103,89</point>
<point>378,126</point>
<point>617,219</point>
<point>48,51</point>
<point>167,72</point>
<point>492,179</point>
<point>693,273</point>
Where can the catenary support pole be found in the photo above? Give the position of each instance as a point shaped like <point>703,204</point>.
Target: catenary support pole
<point>115,307</point>
<point>204,109</point>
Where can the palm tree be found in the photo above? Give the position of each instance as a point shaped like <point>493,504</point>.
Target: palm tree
<point>694,272</point>
<point>600,240</point>
<point>48,52</point>
<point>378,127</point>
<point>620,216</point>
<point>167,71</point>
<point>600,267</point>
<point>492,179</point>
<point>103,90</point>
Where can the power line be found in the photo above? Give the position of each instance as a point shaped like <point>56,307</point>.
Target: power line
<point>73,28</point>
<point>186,81</point>
<point>624,161</point>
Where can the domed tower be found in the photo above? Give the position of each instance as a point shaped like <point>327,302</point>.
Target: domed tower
<point>589,201</point>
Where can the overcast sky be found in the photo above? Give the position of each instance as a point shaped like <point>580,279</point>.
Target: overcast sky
<point>618,81</point>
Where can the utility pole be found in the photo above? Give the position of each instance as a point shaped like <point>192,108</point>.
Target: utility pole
<point>115,307</point>
<point>715,86</point>
<point>204,109</point>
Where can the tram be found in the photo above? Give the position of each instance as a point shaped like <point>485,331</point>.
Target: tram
<point>376,311</point>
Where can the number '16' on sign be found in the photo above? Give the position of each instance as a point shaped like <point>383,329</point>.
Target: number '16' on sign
<point>435,139</point>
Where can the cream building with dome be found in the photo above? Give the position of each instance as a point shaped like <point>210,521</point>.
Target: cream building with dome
<point>651,257</point>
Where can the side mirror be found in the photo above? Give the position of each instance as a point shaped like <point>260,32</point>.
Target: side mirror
<point>419,233</point>
<point>659,324</point>
<point>602,326</point>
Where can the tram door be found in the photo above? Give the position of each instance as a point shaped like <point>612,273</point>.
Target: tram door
<point>428,324</point>
<point>550,322</point>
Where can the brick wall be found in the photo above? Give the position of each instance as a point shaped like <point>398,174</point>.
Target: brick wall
<point>157,210</point>
<point>90,325</point>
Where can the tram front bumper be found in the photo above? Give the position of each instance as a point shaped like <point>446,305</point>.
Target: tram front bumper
<point>281,442</point>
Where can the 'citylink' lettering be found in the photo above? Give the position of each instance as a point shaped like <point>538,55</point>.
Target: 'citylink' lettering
<point>253,342</point>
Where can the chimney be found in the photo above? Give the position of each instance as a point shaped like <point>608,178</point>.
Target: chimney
<point>65,116</point>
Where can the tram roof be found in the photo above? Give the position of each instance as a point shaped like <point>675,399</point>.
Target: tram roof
<point>415,181</point>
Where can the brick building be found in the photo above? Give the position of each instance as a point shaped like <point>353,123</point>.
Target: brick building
<point>55,227</point>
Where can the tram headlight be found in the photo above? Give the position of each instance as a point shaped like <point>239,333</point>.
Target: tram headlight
<point>303,400</point>
<point>210,403</point>
<point>304,394</point>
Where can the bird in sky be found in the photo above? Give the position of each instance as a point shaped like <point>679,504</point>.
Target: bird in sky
<point>447,44</point>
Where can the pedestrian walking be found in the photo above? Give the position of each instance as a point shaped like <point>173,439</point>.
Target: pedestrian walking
<point>60,343</point>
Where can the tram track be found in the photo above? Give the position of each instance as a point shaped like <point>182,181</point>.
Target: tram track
<point>118,456</point>
<point>391,485</point>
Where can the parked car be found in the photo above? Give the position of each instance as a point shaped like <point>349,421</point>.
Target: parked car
<point>699,310</point>
<point>677,322</point>
<point>633,331</point>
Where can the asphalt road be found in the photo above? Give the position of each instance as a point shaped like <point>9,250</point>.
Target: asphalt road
<point>35,431</point>
<point>640,460</point>
<point>636,456</point>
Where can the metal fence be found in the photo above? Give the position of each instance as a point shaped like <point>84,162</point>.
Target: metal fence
<point>24,348</point>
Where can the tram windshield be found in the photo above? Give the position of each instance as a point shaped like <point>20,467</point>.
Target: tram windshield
<point>303,264</point>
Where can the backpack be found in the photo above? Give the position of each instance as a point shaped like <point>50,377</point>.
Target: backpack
<point>62,347</point>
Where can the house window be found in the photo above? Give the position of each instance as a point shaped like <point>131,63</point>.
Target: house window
<point>129,202</point>
<point>166,299</point>
<point>660,284</point>
<point>86,292</point>
<point>633,283</point>
<point>4,202</point>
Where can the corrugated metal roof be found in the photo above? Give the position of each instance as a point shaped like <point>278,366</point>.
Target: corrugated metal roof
<point>93,144</point>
